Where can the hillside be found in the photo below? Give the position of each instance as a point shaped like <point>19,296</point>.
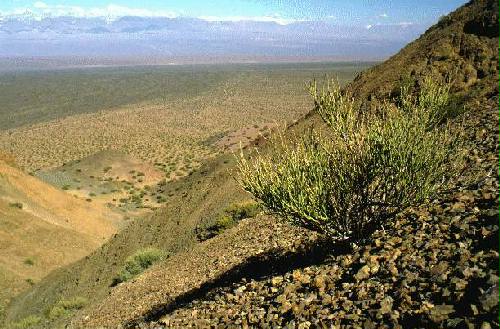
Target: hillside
<point>33,214</point>
<point>462,46</point>
<point>437,266</point>
<point>191,203</point>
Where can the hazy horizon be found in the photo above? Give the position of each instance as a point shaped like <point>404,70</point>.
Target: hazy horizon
<point>97,33</point>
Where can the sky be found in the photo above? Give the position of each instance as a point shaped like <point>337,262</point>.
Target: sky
<point>341,12</point>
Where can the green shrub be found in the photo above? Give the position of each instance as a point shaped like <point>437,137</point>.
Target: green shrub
<point>245,209</point>
<point>433,101</point>
<point>57,312</point>
<point>229,217</point>
<point>222,223</point>
<point>234,213</point>
<point>138,262</point>
<point>75,303</point>
<point>29,261</point>
<point>66,306</point>
<point>27,322</point>
<point>367,169</point>
<point>18,205</point>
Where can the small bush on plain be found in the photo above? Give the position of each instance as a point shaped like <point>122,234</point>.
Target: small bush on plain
<point>18,205</point>
<point>366,167</point>
<point>29,261</point>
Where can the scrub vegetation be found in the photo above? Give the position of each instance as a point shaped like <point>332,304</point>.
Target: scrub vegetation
<point>365,168</point>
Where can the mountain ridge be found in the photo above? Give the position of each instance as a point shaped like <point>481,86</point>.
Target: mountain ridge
<point>184,36</point>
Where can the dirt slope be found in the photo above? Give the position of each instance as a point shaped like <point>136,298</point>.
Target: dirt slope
<point>54,206</point>
<point>43,228</point>
<point>110,179</point>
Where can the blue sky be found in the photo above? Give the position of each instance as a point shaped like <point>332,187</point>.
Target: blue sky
<point>343,12</point>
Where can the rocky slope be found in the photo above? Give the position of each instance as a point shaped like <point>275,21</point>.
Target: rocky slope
<point>191,203</point>
<point>436,267</point>
<point>462,46</point>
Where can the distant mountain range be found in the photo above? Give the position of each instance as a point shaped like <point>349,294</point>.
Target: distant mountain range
<point>26,35</point>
